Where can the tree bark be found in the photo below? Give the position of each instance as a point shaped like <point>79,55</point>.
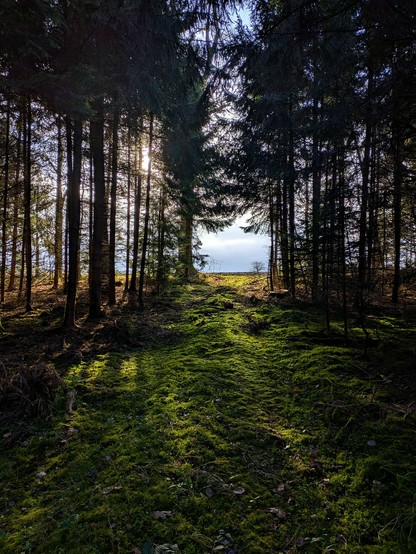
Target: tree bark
<point>5,206</point>
<point>137,208</point>
<point>397,209</point>
<point>128,222</point>
<point>97,148</point>
<point>161,270</point>
<point>74,158</point>
<point>58,210</point>
<point>365,171</point>
<point>316,204</point>
<point>291,198</point>
<point>146,217</point>
<point>16,206</point>
<point>185,246</point>
<point>113,206</point>
<point>27,140</point>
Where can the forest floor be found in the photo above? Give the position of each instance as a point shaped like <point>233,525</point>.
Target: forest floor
<point>216,421</point>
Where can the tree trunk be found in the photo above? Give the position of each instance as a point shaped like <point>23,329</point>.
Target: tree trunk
<point>365,171</point>
<point>128,223</point>
<point>341,238</point>
<point>161,270</point>
<point>146,217</point>
<point>74,158</point>
<point>137,208</point>
<point>397,208</point>
<point>291,199</point>
<point>58,210</point>
<point>284,237</point>
<point>185,246</point>
<point>27,139</point>
<point>36,242</point>
<point>113,205</point>
<point>17,192</point>
<point>316,202</point>
<point>97,148</point>
<point>325,253</point>
<point>272,263</point>
<point>5,206</point>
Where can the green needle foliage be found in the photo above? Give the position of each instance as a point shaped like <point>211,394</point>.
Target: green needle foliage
<point>239,427</point>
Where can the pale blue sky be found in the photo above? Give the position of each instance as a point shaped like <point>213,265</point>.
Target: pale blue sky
<point>233,250</point>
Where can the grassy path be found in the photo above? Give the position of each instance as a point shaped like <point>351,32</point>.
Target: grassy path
<point>238,428</point>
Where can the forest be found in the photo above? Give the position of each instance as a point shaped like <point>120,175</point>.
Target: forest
<point>147,406</point>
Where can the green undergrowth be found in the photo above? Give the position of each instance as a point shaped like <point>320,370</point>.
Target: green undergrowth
<point>239,427</point>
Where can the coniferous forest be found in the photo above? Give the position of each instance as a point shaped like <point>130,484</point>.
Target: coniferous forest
<point>147,406</point>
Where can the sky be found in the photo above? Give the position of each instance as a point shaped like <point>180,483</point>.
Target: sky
<point>233,250</point>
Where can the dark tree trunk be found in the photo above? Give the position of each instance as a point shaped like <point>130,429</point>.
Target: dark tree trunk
<point>113,206</point>
<point>284,237</point>
<point>16,206</point>
<point>316,202</point>
<point>325,251</point>
<point>161,270</point>
<point>146,218</point>
<point>185,246</point>
<point>137,208</point>
<point>36,241</point>
<point>397,209</point>
<point>97,149</point>
<point>291,198</point>
<point>341,238</point>
<point>365,171</point>
<point>27,140</point>
<point>128,223</point>
<point>5,206</point>
<point>272,263</point>
<point>58,210</point>
<point>74,158</point>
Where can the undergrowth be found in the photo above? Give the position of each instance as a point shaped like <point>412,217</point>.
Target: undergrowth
<point>226,425</point>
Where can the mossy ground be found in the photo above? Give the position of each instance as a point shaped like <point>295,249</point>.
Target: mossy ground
<point>238,425</point>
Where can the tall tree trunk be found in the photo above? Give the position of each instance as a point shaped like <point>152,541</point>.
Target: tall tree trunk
<point>341,238</point>
<point>185,244</point>
<point>146,217</point>
<point>272,262</point>
<point>74,159</point>
<point>16,206</point>
<point>36,241</point>
<point>316,204</point>
<point>365,171</point>
<point>291,199</point>
<point>161,270</point>
<point>58,209</point>
<point>372,221</point>
<point>22,261</point>
<point>66,253</point>
<point>113,205</point>
<point>284,237</point>
<point>325,252</point>
<point>5,206</point>
<point>137,207</point>
<point>128,222</point>
<point>27,144</point>
<point>397,207</point>
<point>97,148</point>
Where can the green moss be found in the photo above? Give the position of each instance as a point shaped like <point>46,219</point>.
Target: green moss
<point>228,413</point>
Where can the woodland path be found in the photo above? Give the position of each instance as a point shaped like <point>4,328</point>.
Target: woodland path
<point>237,427</point>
